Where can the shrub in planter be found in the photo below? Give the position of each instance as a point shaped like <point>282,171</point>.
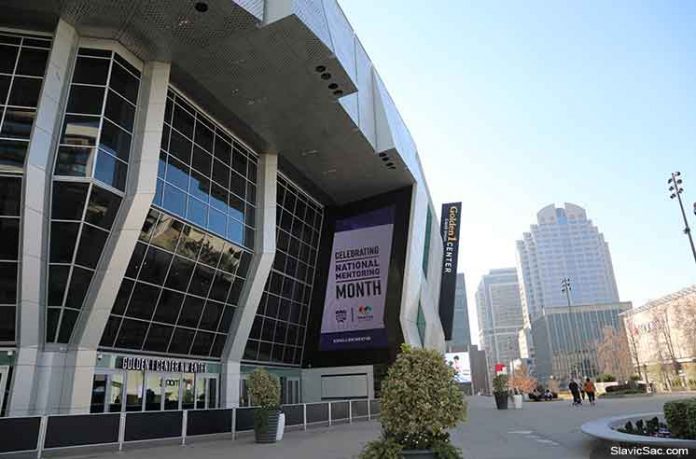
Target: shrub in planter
<point>681,418</point>
<point>264,390</point>
<point>420,401</point>
<point>500,391</point>
<point>605,377</point>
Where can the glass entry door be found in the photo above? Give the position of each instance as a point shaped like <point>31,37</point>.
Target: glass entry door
<point>289,390</point>
<point>206,392</point>
<point>107,392</point>
<point>171,385</point>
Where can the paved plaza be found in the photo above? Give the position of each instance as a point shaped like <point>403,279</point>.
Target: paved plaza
<point>540,430</point>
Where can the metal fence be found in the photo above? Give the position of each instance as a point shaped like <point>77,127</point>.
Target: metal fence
<point>53,432</point>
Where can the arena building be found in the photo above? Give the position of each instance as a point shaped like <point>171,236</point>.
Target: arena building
<point>191,190</point>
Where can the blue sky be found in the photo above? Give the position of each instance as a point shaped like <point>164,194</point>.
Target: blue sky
<point>518,104</point>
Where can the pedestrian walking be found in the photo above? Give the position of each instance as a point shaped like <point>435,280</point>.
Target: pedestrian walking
<point>575,390</point>
<point>590,390</point>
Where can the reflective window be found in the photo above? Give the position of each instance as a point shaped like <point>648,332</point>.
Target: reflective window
<point>95,143</point>
<point>10,192</point>
<point>98,124</point>
<point>81,217</point>
<point>278,331</point>
<point>180,291</point>
<point>206,176</point>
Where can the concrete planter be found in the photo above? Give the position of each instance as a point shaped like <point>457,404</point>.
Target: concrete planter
<point>605,428</point>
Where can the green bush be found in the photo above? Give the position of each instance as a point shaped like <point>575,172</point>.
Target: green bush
<point>264,390</point>
<point>500,383</point>
<point>605,377</point>
<point>445,450</point>
<point>420,400</point>
<point>681,418</point>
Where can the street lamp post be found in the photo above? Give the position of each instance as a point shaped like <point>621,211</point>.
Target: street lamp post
<point>566,288</point>
<point>676,189</point>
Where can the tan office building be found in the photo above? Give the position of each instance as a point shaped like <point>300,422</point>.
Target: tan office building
<point>662,338</point>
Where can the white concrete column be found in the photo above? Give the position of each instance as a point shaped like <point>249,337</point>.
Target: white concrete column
<point>80,359</point>
<point>35,218</point>
<point>259,269</point>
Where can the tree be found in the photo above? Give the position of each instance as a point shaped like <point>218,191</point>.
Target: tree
<point>685,312</point>
<point>521,380</point>
<point>614,354</point>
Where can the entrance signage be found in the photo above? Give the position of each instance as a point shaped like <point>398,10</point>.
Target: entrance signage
<point>356,288</point>
<point>450,239</point>
<point>165,365</point>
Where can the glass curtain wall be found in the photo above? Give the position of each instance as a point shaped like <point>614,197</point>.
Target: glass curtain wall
<point>180,291</point>
<point>88,180</point>
<point>278,332</point>
<point>206,176</point>
<point>22,67</point>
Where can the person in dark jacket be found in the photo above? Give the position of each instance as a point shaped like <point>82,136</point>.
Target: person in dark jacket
<point>575,390</point>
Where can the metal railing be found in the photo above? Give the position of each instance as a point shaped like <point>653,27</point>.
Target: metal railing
<point>56,432</point>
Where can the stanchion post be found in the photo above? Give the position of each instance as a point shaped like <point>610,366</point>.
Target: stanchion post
<point>184,426</point>
<point>41,440</point>
<point>121,431</point>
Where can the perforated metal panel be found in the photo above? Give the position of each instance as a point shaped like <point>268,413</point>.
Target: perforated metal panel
<point>261,81</point>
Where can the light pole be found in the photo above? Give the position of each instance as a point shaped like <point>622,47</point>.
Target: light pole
<point>676,189</point>
<point>566,288</point>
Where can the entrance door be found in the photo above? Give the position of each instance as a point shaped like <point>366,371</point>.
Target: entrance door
<point>289,390</point>
<point>171,384</point>
<point>206,391</point>
<point>4,376</point>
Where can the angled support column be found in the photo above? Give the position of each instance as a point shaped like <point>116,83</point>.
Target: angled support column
<point>259,269</point>
<point>140,191</point>
<point>35,217</point>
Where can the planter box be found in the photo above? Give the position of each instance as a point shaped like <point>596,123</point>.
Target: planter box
<point>501,400</point>
<point>270,433</point>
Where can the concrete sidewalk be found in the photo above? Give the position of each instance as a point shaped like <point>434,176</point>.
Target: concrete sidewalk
<point>341,441</point>
<point>539,430</point>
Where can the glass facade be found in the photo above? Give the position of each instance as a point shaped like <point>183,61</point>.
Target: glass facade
<point>98,125</point>
<point>95,143</point>
<point>426,247</point>
<point>206,176</point>
<point>420,324</point>
<point>278,332</point>
<point>22,67</point>
<point>82,215</point>
<point>179,293</point>
<point>565,341</point>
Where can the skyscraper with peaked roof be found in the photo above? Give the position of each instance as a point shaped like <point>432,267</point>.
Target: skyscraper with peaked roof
<point>563,243</point>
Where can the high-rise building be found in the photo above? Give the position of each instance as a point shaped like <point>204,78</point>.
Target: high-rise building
<point>499,315</point>
<point>192,190</point>
<point>566,340</point>
<point>564,244</point>
<point>479,370</point>
<point>461,333</point>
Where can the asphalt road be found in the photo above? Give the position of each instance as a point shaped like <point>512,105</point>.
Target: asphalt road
<point>539,430</point>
